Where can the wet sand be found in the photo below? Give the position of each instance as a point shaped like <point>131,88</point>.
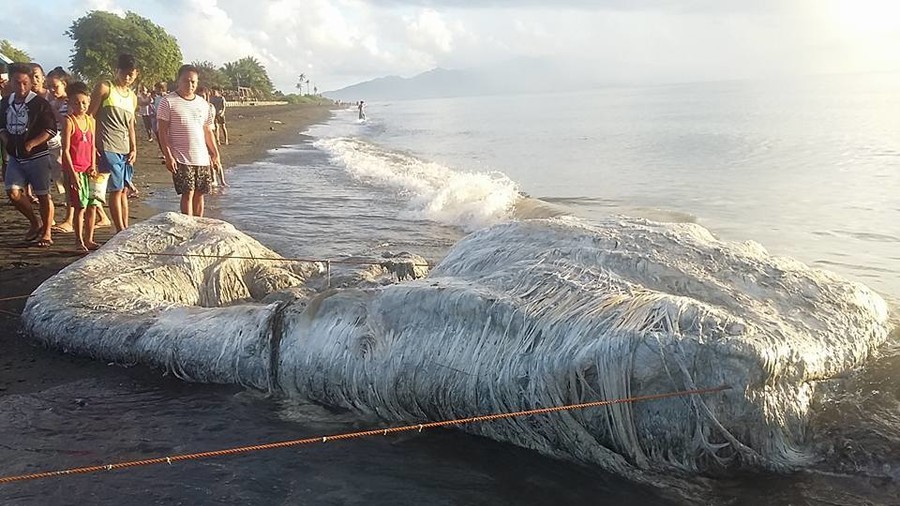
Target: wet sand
<point>23,267</point>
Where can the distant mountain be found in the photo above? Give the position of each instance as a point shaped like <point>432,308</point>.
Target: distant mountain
<point>518,76</point>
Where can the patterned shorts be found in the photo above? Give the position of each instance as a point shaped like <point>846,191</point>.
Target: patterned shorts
<point>188,178</point>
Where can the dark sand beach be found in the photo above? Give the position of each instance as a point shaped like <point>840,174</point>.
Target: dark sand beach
<point>23,267</point>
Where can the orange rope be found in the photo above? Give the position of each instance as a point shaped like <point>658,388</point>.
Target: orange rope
<point>17,297</point>
<point>350,435</point>
<point>238,257</point>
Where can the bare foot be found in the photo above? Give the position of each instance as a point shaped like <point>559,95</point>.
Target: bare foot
<point>32,233</point>
<point>103,224</point>
<point>81,248</point>
<point>63,227</point>
<point>91,245</point>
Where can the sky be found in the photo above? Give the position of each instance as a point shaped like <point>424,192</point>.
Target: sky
<point>341,42</point>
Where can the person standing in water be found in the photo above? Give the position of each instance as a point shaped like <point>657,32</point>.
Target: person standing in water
<point>218,101</point>
<point>187,140</point>
<point>113,104</point>
<point>362,110</point>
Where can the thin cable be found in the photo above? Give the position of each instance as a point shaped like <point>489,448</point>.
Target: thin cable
<point>17,297</point>
<point>351,435</point>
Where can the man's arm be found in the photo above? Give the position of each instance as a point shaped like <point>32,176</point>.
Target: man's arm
<point>68,167</point>
<point>162,133</point>
<point>46,122</point>
<point>163,136</point>
<point>132,139</point>
<point>4,136</point>
<point>101,91</point>
<point>211,145</point>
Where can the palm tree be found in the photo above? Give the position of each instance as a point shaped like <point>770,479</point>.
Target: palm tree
<point>249,72</point>
<point>300,81</point>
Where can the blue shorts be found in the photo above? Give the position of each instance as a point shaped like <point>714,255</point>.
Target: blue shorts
<point>119,170</point>
<point>21,173</point>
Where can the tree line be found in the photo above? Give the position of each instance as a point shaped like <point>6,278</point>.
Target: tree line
<point>99,37</point>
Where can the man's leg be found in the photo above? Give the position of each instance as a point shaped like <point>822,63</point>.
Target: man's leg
<point>46,209</point>
<point>90,217</point>
<point>102,219</point>
<point>125,209</point>
<point>23,205</point>
<point>187,202</point>
<point>116,197</point>
<point>197,204</point>
<point>224,133</point>
<point>79,229</point>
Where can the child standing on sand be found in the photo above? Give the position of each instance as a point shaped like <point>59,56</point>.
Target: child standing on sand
<point>79,156</point>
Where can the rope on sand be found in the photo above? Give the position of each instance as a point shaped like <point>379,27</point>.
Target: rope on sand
<point>352,435</point>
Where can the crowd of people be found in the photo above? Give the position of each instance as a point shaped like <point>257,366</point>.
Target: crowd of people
<point>58,133</point>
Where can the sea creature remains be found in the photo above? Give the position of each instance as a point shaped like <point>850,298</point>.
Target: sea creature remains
<point>520,315</point>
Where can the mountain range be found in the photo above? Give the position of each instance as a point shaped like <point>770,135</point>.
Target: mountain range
<point>520,76</point>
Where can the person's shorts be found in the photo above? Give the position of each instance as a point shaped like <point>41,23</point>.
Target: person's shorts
<point>35,172</point>
<point>119,170</point>
<point>188,178</point>
<point>220,119</point>
<point>83,199</point>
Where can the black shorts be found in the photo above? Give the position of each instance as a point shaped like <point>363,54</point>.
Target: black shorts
<point>220,119</point>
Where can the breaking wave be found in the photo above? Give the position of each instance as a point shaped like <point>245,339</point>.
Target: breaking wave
<point>431,190</point>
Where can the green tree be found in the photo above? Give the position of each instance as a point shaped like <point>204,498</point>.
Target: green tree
<point>250,73</point>
<point>101,36</point>
<point>300,80</point>
<point>14,53</point>
<point>210,75</point>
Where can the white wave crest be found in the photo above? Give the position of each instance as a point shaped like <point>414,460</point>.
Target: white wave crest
<point>433,191</point>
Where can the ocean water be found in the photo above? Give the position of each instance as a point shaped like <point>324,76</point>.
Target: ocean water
<point>809,169</point>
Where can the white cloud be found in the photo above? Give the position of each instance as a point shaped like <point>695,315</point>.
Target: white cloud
<point>339,42</point>
<point>429,32</point>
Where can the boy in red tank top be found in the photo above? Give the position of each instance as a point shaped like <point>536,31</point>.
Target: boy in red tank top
<point>79,154</point>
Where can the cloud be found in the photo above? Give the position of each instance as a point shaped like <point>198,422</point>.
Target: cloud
<point>339,42</point>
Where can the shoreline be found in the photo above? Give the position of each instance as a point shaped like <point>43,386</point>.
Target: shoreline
<point>26,367</point>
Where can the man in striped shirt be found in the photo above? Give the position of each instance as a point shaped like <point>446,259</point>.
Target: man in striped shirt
<point>187,140</point>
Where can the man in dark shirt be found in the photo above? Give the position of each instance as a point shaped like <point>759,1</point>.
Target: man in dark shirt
<point>26,124</point>
<point>218,101</point>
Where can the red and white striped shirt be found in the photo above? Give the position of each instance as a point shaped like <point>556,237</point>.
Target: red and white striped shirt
<point>187,123</point>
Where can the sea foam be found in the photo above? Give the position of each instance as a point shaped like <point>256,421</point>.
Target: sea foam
<point>431,190</point>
